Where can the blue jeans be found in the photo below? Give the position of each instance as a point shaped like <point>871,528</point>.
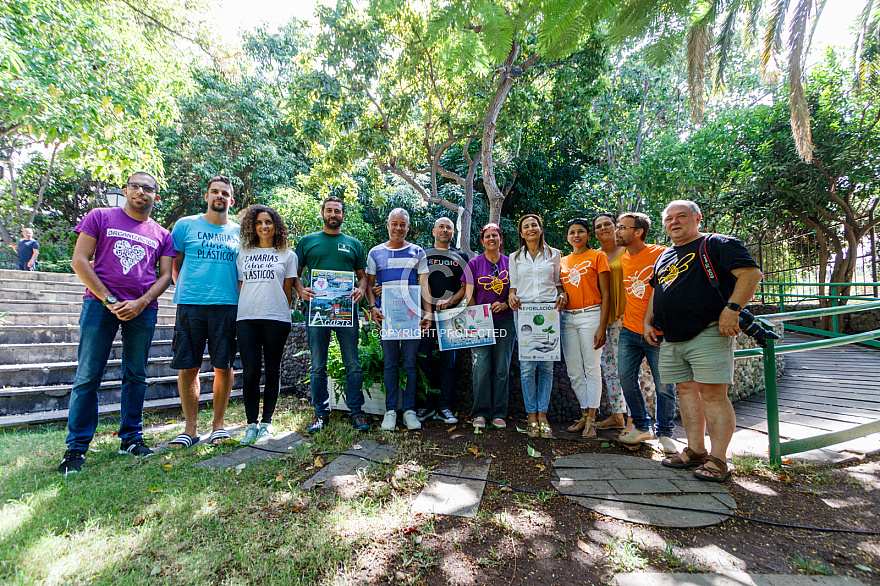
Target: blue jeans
<point>491,372</point>
<point>537,382</point>
<point>632,349</point>
<point>97,329</point>
<point>319,343</point>
<point>394,350</point>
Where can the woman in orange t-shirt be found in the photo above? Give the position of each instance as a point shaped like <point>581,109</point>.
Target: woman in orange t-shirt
<point>586,278</point>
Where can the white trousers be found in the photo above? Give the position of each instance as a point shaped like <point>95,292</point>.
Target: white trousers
<point>581,360</point>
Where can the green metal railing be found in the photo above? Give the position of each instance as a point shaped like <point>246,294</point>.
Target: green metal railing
<point>778,448</point>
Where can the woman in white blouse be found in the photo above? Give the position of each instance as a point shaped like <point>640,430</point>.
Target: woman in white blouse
<point>534,278</point>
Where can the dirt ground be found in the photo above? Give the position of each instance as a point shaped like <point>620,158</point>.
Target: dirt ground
<point>522,539</point>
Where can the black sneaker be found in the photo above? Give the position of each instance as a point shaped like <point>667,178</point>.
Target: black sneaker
<point>359,422</point>
<point>72,462</point>
<point>136,448</point>
<point>425,414</point>
<point>318,424</point>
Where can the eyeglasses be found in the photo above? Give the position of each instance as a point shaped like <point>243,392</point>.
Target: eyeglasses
<point>147,189</point>
<point>622,227</point>
<point>494,270</point>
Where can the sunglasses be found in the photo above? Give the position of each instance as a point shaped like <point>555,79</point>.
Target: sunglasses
<point>147,189</point>
<point>494,270</point>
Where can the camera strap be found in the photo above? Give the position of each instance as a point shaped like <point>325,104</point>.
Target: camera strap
<point>709,268</point>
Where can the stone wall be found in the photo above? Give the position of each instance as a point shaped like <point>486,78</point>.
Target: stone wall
<point>748,379</point>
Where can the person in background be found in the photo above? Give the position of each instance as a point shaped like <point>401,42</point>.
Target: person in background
<point>266,272</point>
<point>587,281</point>
<point>446,265</point>
<point>534,278</point>
<point>207,303</point>
<point>27,250</point>
<point>331,250</point>
<point>604,226</point>
<point>122,288</point>
<point>487,281</point>
<point>398,264</point>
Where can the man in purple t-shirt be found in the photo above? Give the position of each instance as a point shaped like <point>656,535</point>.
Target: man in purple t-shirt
<point>122,290</point>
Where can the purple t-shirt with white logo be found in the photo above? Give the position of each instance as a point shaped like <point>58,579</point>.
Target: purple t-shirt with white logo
<point>490,284</point>
<point>127,251</point>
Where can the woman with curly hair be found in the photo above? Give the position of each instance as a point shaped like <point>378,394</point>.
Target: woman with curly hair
<point>267,268</point>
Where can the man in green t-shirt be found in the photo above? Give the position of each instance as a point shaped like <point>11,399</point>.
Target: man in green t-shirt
<point>330,249</point>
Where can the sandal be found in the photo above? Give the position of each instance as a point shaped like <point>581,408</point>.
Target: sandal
<point>589,428</point>
<point>578,425</point>
<point>719,473</point>
<point>534,430</point>
<point>184,441</point>
<point>219,436</point>
<point>687,459</point>
<point>611,423</point>
<point>545,431</point>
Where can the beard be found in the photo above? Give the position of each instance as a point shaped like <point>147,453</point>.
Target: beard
<point>218,205</point>
<point>332,223</point>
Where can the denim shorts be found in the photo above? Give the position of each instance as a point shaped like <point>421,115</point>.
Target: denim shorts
<point>706,358</point>
<point>196,325</point>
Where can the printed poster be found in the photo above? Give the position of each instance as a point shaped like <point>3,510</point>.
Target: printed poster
<point>538,333</point>
<point>465,327</point>
<point>332,306</point>
<point>401,306</point>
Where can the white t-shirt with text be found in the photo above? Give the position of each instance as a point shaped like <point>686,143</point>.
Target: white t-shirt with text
<point>262,272</point>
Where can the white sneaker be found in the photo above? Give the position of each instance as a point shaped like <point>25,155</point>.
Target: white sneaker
<point>446,416</point>
<point>667,445</point>
<point>265,432</point>
<point>250,434</point>
<point>389,422</point>
<point>411,420</point>
<point>635,436</point>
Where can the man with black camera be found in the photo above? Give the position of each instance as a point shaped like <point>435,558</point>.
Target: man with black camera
<point>700,285</point>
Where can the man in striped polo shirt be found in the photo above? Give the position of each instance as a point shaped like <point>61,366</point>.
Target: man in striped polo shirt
<point>393,264</point>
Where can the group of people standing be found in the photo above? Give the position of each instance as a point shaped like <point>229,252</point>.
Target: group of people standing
<point>235,285</point>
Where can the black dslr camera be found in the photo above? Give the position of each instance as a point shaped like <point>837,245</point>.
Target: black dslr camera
<point>750,327</point>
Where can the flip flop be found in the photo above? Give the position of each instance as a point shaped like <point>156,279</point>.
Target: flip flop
<point>218,436</point>
<point>184,440</point>
<point>719,474</point>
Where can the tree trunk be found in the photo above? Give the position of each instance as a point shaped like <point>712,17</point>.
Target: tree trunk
<point>43,185</point>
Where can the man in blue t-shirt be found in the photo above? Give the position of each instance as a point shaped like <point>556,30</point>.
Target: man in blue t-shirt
<point>207,301</point>
<point>395,266</point>
<point>26,250</point>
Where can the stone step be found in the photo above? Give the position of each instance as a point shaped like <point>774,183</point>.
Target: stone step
<point>63,373</point>
<point>14,275</point>
<point>74,295</point>
<point>66,352</point>
<point>11,334</point>
<point>47,398</point>
<point>65,286</point>
<point>107,410</point>
<point>28,306</point>
<point>19,318</point>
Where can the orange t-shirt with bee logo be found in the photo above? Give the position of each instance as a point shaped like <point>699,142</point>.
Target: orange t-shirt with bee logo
<point>637,273</point>
<point>580,278</point>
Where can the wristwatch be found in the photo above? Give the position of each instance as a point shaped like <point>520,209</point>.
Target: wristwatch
<point>734,306</point>
<point>111,299</point>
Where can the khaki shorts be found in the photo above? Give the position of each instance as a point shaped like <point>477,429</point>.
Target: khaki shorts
<point>706,358</point>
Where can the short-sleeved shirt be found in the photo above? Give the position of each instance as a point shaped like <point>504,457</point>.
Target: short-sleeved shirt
<point>445,268</point>
<point>489,285</point>
<point>262,272</point>
<point>397,266</point>
<point>685,303</point>
<point>637,273</point>
<point>580,278</point>
<point>208,275</point>
<point>536,280</point>
<point>618,292</point>
<point>330,252</point>
<point>26,250</point>
<point>127,251</point>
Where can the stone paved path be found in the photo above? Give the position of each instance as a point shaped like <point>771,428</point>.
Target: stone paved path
<point>443,495</point>
<point>279,445</point>
<point>731,579</point>
<point>343,470</point>
<point>645,481</point>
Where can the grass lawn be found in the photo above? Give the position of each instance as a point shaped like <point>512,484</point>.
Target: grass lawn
<point>161,520</point>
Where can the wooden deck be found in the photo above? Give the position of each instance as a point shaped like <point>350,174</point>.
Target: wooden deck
<point>825,390</point>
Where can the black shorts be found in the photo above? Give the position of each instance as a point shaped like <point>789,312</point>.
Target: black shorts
<point>197,324</point>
